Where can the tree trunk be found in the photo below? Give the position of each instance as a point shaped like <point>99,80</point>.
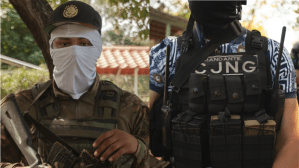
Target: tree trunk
<point>35,14</point>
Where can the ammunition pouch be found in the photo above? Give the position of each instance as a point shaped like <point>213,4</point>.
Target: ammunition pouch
<point>226,141</point>
<point>258,142</point>
<point>188,136</point>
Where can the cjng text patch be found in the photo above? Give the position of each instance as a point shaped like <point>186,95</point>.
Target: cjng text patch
<point>228,64</point>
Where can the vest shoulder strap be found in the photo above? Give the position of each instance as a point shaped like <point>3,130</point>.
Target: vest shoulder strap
<point>40,87</point>
<point>44,100</point>
<point>255,43</point>
<point>196,44</point>
<point>107,101</point>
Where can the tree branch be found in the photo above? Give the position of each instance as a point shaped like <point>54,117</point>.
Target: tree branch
<point>35,14</point>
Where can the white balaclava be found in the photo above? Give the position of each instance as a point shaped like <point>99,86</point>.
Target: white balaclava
<point>75,66</point>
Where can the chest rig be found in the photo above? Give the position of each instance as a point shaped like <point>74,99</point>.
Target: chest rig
<point>79,134</point>
<point>223,121</point>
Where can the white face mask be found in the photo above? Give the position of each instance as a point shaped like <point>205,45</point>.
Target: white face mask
<point>75,66</point>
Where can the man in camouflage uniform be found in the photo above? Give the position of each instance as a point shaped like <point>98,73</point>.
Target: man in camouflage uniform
<point>110,132</point>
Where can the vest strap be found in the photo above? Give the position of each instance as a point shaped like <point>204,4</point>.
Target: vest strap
<point>107,101</point>
<point>93,124</point>
<point>75,131</point>
<point>259,45</point>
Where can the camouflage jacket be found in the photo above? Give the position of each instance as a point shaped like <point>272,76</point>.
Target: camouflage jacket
<point>133,119</point>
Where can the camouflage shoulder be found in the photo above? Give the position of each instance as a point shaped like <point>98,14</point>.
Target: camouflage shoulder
<point>37,87</point>
<point>127,98</point>
<point>21,95</point>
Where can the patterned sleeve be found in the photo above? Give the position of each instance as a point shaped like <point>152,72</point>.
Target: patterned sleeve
<point>157,62</point>
<point>142,135</point>
<point>134,119</point>
<point>287,73</point>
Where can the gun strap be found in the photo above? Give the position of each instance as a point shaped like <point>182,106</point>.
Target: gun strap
<point>232,31</point>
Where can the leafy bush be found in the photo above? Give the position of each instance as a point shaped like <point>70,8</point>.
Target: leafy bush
<point>14,80</point>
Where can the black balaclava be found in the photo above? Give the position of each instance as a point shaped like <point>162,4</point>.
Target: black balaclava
<point>213,16</point>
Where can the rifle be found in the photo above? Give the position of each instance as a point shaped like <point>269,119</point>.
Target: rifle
<point>14,122</point>
<point>277,99</point>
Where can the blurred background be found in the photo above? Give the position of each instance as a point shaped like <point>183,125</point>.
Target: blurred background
<point>130,28</point>
<point>266,16</point>
<point>124,59</point>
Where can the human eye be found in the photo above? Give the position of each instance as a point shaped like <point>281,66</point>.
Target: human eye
<point>64,44</point>
<point>86,44</point>
<point>61,43</point>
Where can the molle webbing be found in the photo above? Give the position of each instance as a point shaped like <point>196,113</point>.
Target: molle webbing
<point>255,43</point>
<point>85,131</point>
<point>109,98</point>
<point>217,95</point>
<point>214,93</point>
<point>258,142</point>
<point>46,104</point>
<point>82,129</point>
<point>187,140</point>
<point>226,142</point>
<point>238,92</point>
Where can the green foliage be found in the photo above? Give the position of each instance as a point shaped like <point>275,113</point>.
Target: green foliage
<point>133,11</point>
<point>17,41</point>
<point>17,79</point>
<point>173,7</point>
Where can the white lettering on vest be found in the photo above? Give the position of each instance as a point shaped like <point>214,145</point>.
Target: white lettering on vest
<point>220,68</point>
<point>251,68</point>
<point>235,69</point>
<point>202,72</point>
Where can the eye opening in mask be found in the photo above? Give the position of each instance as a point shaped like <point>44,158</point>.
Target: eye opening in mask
<point>63,42</point>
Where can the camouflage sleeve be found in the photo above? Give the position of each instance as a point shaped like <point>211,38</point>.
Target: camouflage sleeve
<point>10,154</point>
<point>134,119</point>
<point>142,135</point>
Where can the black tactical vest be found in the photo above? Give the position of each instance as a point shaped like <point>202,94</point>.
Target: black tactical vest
<point>223,121</point>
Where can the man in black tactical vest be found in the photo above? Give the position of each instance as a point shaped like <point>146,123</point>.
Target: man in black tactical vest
<point>76,120</point>
<point>224,109</point>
